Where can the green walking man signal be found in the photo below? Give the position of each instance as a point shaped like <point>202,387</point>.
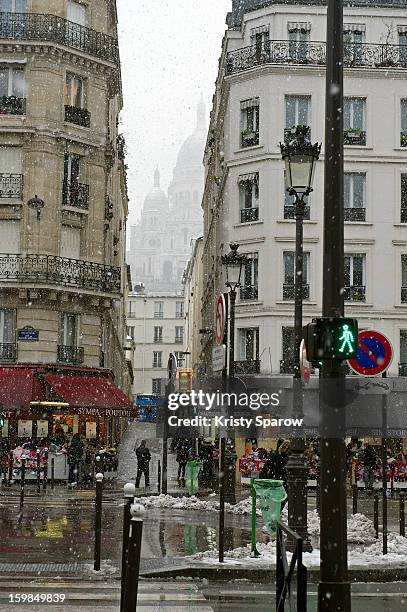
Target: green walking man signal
<point>327,339</point>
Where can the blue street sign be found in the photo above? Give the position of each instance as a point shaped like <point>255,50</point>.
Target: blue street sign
<point>28,334</point>
<point>374,354</point>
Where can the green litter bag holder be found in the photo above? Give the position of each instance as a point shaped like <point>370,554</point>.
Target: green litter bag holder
<point>193,469</point>
<point>271,494</point>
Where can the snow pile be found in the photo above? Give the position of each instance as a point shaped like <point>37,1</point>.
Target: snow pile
<point>243,553</point>
<point>396,544</point>
<point>244,507</point>
<point>360,529</point>
<point>314,524</point>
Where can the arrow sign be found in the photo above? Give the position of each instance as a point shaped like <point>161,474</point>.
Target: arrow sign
<point>375,354</point>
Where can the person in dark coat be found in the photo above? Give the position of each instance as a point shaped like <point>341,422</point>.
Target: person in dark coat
<point>75,458</point>
<point>143,464</point>
<point>183,452</point>
<point>275,467</point>
<point>368,460</point>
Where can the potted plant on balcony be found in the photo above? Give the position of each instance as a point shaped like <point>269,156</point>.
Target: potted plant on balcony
<point>248,135</point>
<point>403,139</point>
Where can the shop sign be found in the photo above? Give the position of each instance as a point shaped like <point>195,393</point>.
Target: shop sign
<point>25,429</point>
<point>28,334</point>
<point>42,429</point>
<point>90,430</point>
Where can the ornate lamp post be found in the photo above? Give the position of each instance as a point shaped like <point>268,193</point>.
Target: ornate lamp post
<point>234,262</point>
<point>300,157</point>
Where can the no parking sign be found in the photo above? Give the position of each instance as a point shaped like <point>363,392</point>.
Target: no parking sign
<point>375,354</point>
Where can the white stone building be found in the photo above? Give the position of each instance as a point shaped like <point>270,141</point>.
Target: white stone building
<point>156,323</point>
<point>272,77</point>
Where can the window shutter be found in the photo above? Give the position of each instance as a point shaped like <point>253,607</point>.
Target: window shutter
<point>70,242</point>
<point>76,13</point>
<point>10,160</point>
<point>9,237</point>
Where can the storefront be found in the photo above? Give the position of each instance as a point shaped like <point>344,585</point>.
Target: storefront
<point>39,401</point>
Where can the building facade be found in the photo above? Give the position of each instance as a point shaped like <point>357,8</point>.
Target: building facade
<point>63,210</point>
<point>160,244</point>
<point>271,79</point>
<point>193,283</point>
<point>156,323</point>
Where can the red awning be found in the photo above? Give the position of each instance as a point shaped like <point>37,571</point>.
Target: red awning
<point>91,395</point>
<point>16,388</point>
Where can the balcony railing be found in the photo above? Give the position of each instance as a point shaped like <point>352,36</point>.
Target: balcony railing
<point>250,138</point>
<point>354,137</point>
<point>289,212</point>
<point>314,53</point>
<point>8,352</point>
<point>179,340</point>
<point>158,339</point>
<point>355,214</point>
<point>249,292</point>
<point>11,185</point>
<point>78,116</point>
<point>70,354</point>
<point>158,315</point>
<point>356,293</point>
<point>403,214</point>
<point>403,295</point>
<point>56,270</point>
<point>403,139</point>
<point>76,195</point>
<point>287,366</point>
<point>10,105</point>
<point>50,28</point>
<point>249,214</point>
<point>289,292</point>
<point>248,366</point>
<point>402,369</point>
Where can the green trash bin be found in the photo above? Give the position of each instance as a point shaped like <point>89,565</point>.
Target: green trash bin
<point>271,494</point>
<point>193,469</point>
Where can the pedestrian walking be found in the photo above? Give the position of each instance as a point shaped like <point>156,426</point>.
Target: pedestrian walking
<point>275,467</point>
<point>368,461</point>
<point>143,464</point>
<point>75,457</point>
<point>183,451</point>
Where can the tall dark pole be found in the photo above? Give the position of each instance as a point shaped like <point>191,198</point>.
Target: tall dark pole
<point>164,485</point>
<point>384,468</point>
<point>297,470</point>
<point>230,456</point>
<point>98,521</point>
<point>334,586</point>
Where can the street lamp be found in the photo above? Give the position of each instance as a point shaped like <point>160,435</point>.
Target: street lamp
<point>37,204</point>
<point>234,263</point>
<point>300,157</point>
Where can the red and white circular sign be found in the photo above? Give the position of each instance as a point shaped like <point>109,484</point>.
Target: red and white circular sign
<point>305,365</point>
<point>220,319</point>
<point>375,354</point>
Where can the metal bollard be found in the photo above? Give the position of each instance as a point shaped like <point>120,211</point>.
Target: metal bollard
<point>38,471</point>
<point>22,491</point>
<point>10,469</point>
<point>52,473</point>
<point>129,491</point>
<point>159,476</point>
<point>133,558</point>
<point>354,499</point>
<point>45,471</point>
<point>402,516</point>
<point>98,521</point>
<point>376,515</point>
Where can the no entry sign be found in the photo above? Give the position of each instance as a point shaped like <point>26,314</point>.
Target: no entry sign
<point>374,354</point>
<point>220,318</point>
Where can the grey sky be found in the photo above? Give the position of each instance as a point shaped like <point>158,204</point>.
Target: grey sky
<point>169,52</point>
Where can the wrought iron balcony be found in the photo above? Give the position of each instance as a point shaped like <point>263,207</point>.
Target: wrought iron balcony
<point>288,366</point>
<point>403,295</point>
<point>355,214</point>
<point>289,292</point>
<point>76,195</point>
<point>179,340</point>
<point>402,369</point>
<point>289,212</point>
<point>50,28</point>
<point>403,139</point>
<point>158,339</point>
<point>8,352</point>
<point>250,138</point>
<point>249,214</point>
<point>355,137</point>
<point>11,185</point>
<point>10,105</point>
<point>248,366</point>
<point>54,270</point>
<point>403,214</point>
<point>356,293</point>
<point>314,53</point>
<point>78,116</point>
<point>249,292</point>
<point>70,354</point>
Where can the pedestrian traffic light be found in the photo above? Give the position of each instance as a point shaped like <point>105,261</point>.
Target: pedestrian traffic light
<point>335,338</point>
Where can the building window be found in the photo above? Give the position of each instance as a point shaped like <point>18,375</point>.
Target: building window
<point>250,115</point>
<point>403,124</point>
<point>259,38</point>
<point>289,360</point>
<point>68,349</point>
<point>75,101</point>
<point>131,331</point>
<point>71,242</point>
<point>354,37</point>
<point>297,112</point>
<point>249,197</point>
<point>11,178</point>
<point>132,309</point>
<point>354,121</point>
<point>156,388</point>
<point>9,237</point>
<point>403,213</point>
<point>249,289</point>
<point>158,310</point>
<point>180,358</point>
<point>12,90</point>
<point>355,275</point>
<point>403,44</point>
<point>403,353</point>
<point>298,38</point>
<point>158,334</point>
<point>76,12</point>
<point>179,310</point>
<point>404,278</point>
<point>74,192</point>
<point>8,347</point>
<point>289,276</point>
<point>355,196</point>
<point>179,335</point>
<point>157,359</point>
<point>13,6</point>
<point>248,344</point>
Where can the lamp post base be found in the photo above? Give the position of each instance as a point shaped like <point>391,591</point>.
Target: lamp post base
<point>297,472</point>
